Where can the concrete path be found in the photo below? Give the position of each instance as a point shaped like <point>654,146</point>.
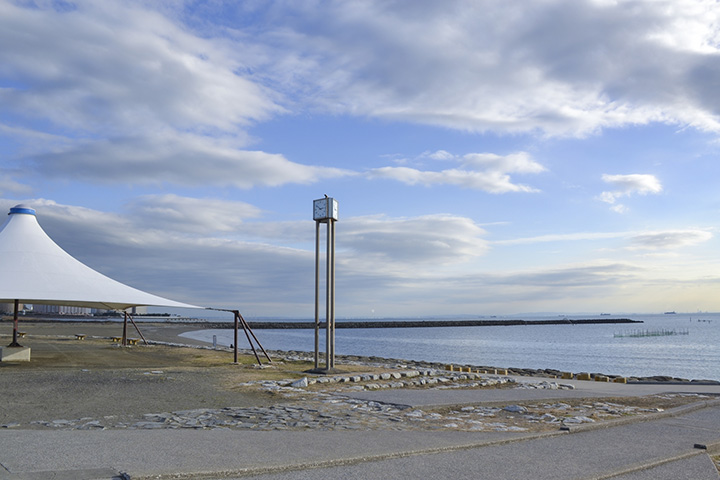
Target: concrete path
<point>663,447</point>
<point>583,389</point>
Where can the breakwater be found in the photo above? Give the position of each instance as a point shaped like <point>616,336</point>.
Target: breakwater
<point>436,323</point>
<point>272,325</point>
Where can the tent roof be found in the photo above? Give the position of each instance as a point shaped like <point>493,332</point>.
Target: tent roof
<point>34,269</point>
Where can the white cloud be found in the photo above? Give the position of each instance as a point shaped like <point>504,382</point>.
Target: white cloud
<point>480,171</point>
<point>652,240</point>
<point>9,187</point>
<point>101,78</point>
<point>619,208</point>
<point>377,242</point>
<point>519,162</point>
<point>33,136</point>
<point>125,94</point>
<point>118,67</point>
<point>185,214</point>
<point>628,185</point>
<point>588,285</point>
<point>669,239</point>
<point>567,237</point>
<point>493,182</point>
<point>178,159</point>
<point>440,155</point>
<point>558,67</point>
<point>635,183</point>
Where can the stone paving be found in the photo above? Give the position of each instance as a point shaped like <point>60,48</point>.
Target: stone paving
<point>320,403</point>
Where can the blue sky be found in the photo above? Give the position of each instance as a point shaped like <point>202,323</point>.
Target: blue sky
<point>488,158</point>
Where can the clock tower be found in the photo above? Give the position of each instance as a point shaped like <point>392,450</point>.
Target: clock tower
<point>325,210</point>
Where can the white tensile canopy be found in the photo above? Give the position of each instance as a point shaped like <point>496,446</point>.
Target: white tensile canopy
<point>34,269</point>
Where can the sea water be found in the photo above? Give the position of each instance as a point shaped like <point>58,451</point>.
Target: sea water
<point>690,347</point>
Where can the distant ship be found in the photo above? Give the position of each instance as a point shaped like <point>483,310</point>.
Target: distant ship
<point>669,313</point>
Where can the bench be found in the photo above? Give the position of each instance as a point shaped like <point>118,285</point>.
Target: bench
<point>80,336</point>
<point>116,339</point>
<point>132,341</point>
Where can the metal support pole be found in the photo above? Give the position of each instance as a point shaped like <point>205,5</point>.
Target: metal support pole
<point>136,328</point>
<point>124,336</point>
<point>247,328</point>
<point>317,295</point>
<point>328,318</point>
<point>331,230</point>
<point>235,345</point>
<point>14,342</point>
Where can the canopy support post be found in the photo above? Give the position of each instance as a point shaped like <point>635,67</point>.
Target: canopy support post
<point>235,342</point>
<point>124,335</point>
<point>238,317</point>
<point>15,326</point>
<point>240,321</point>
<point>136,328</point>
<point>245,325</point>
<point>127,316</point>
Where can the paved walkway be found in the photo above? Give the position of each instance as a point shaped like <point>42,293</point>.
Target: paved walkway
<point>583,389</point>
<point>662,447</point>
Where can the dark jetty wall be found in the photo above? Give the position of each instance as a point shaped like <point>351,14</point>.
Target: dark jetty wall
<point>437,323</point>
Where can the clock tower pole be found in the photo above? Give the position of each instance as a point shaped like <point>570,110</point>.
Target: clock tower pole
<point>325,210</point>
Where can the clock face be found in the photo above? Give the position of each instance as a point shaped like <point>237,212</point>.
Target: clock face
<point>324,209</point>
<point>320,209</point>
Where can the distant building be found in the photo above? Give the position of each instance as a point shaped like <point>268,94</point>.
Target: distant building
<point>131,311</point>
<point>9,308</point>
<point>61,310</point>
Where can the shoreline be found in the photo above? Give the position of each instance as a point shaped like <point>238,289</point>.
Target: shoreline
<point>168,333</point>
<point>512,371</point>
<point>375,361</point>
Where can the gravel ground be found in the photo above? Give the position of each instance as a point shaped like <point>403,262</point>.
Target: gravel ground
<point>69,378</point>
<point>48,395</point>
<point>98,383</point>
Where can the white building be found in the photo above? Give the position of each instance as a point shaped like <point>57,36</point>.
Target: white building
<point>61,310</point>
